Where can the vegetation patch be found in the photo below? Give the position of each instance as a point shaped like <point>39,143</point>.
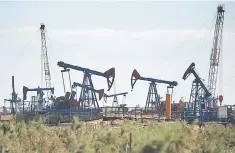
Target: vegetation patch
<point>129,137</point>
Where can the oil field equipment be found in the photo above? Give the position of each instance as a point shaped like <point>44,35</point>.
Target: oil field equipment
<point>115,99</point>
<point>198,89</point>
<point>67,101</point>
<point>116,107</point>
<point>15,101</point>
<point>204,101</point>
<point>45,61</point>
<point>86,101</point>
<point>87,88</point>
<point>199,96</point>
<point>39,104</point>
<point>215,61</point>
<point>153,98</point>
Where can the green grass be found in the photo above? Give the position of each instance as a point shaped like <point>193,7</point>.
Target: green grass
<point>35,137</point>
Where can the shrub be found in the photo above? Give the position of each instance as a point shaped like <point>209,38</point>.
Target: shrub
<point>35,137</point>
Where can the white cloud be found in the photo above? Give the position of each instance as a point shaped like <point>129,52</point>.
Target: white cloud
<point>27,29</point>
<point>2,31</point>
<point>150,34</point>
<point>100,32</point>
<point>153,33</point>
<point>101,49</point>
<point>160,35</point>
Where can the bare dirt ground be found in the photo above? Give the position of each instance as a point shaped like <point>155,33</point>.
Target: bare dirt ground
<point>6,117</point>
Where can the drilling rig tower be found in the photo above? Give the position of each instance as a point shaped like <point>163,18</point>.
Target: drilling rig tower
<point>215,53</point>
<point>45,60</point>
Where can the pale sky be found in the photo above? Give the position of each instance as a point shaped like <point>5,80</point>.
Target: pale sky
<point>159,39</point>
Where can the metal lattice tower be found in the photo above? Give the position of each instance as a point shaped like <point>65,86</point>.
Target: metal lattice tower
<point>217,48</point>
<point>196,92</point>
<point>88,97</point>
<point>153,98</point>
<point>45,60</point>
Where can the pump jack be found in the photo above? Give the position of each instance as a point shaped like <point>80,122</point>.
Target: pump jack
<point>115,100</point>
<point>198,89</point>
<point>39,94</point>
<point>153,98</point>
<point>115,104</point>
<point>87,80</point>
<point>199,93</point>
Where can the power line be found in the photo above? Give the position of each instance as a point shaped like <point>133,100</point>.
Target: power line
<point>207,42</point>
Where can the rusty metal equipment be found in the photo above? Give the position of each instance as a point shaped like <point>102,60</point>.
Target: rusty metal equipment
<point>67,101</point>
<point>153,98</point>
<point>168,106</point>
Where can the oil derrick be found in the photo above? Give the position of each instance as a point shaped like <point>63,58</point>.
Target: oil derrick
<point>45,60</point>
<point>215,54</point>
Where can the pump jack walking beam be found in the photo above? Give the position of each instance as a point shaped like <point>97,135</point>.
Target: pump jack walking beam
<point>136,76</point>
<point>38,90</point>
<point>109,74</point>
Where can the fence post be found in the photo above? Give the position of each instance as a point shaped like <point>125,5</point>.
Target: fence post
<point>2,149</point>
<point>141,115</point>
<point>130,141</point>
<point>135,112</point>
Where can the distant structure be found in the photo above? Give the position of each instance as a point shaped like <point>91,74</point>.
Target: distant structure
<point>45,60</point>
<point>215,53</point>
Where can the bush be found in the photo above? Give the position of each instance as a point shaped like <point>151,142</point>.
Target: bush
<point>35,137</point>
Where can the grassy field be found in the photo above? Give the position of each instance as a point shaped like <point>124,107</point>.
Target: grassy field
<point>130,137</point>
